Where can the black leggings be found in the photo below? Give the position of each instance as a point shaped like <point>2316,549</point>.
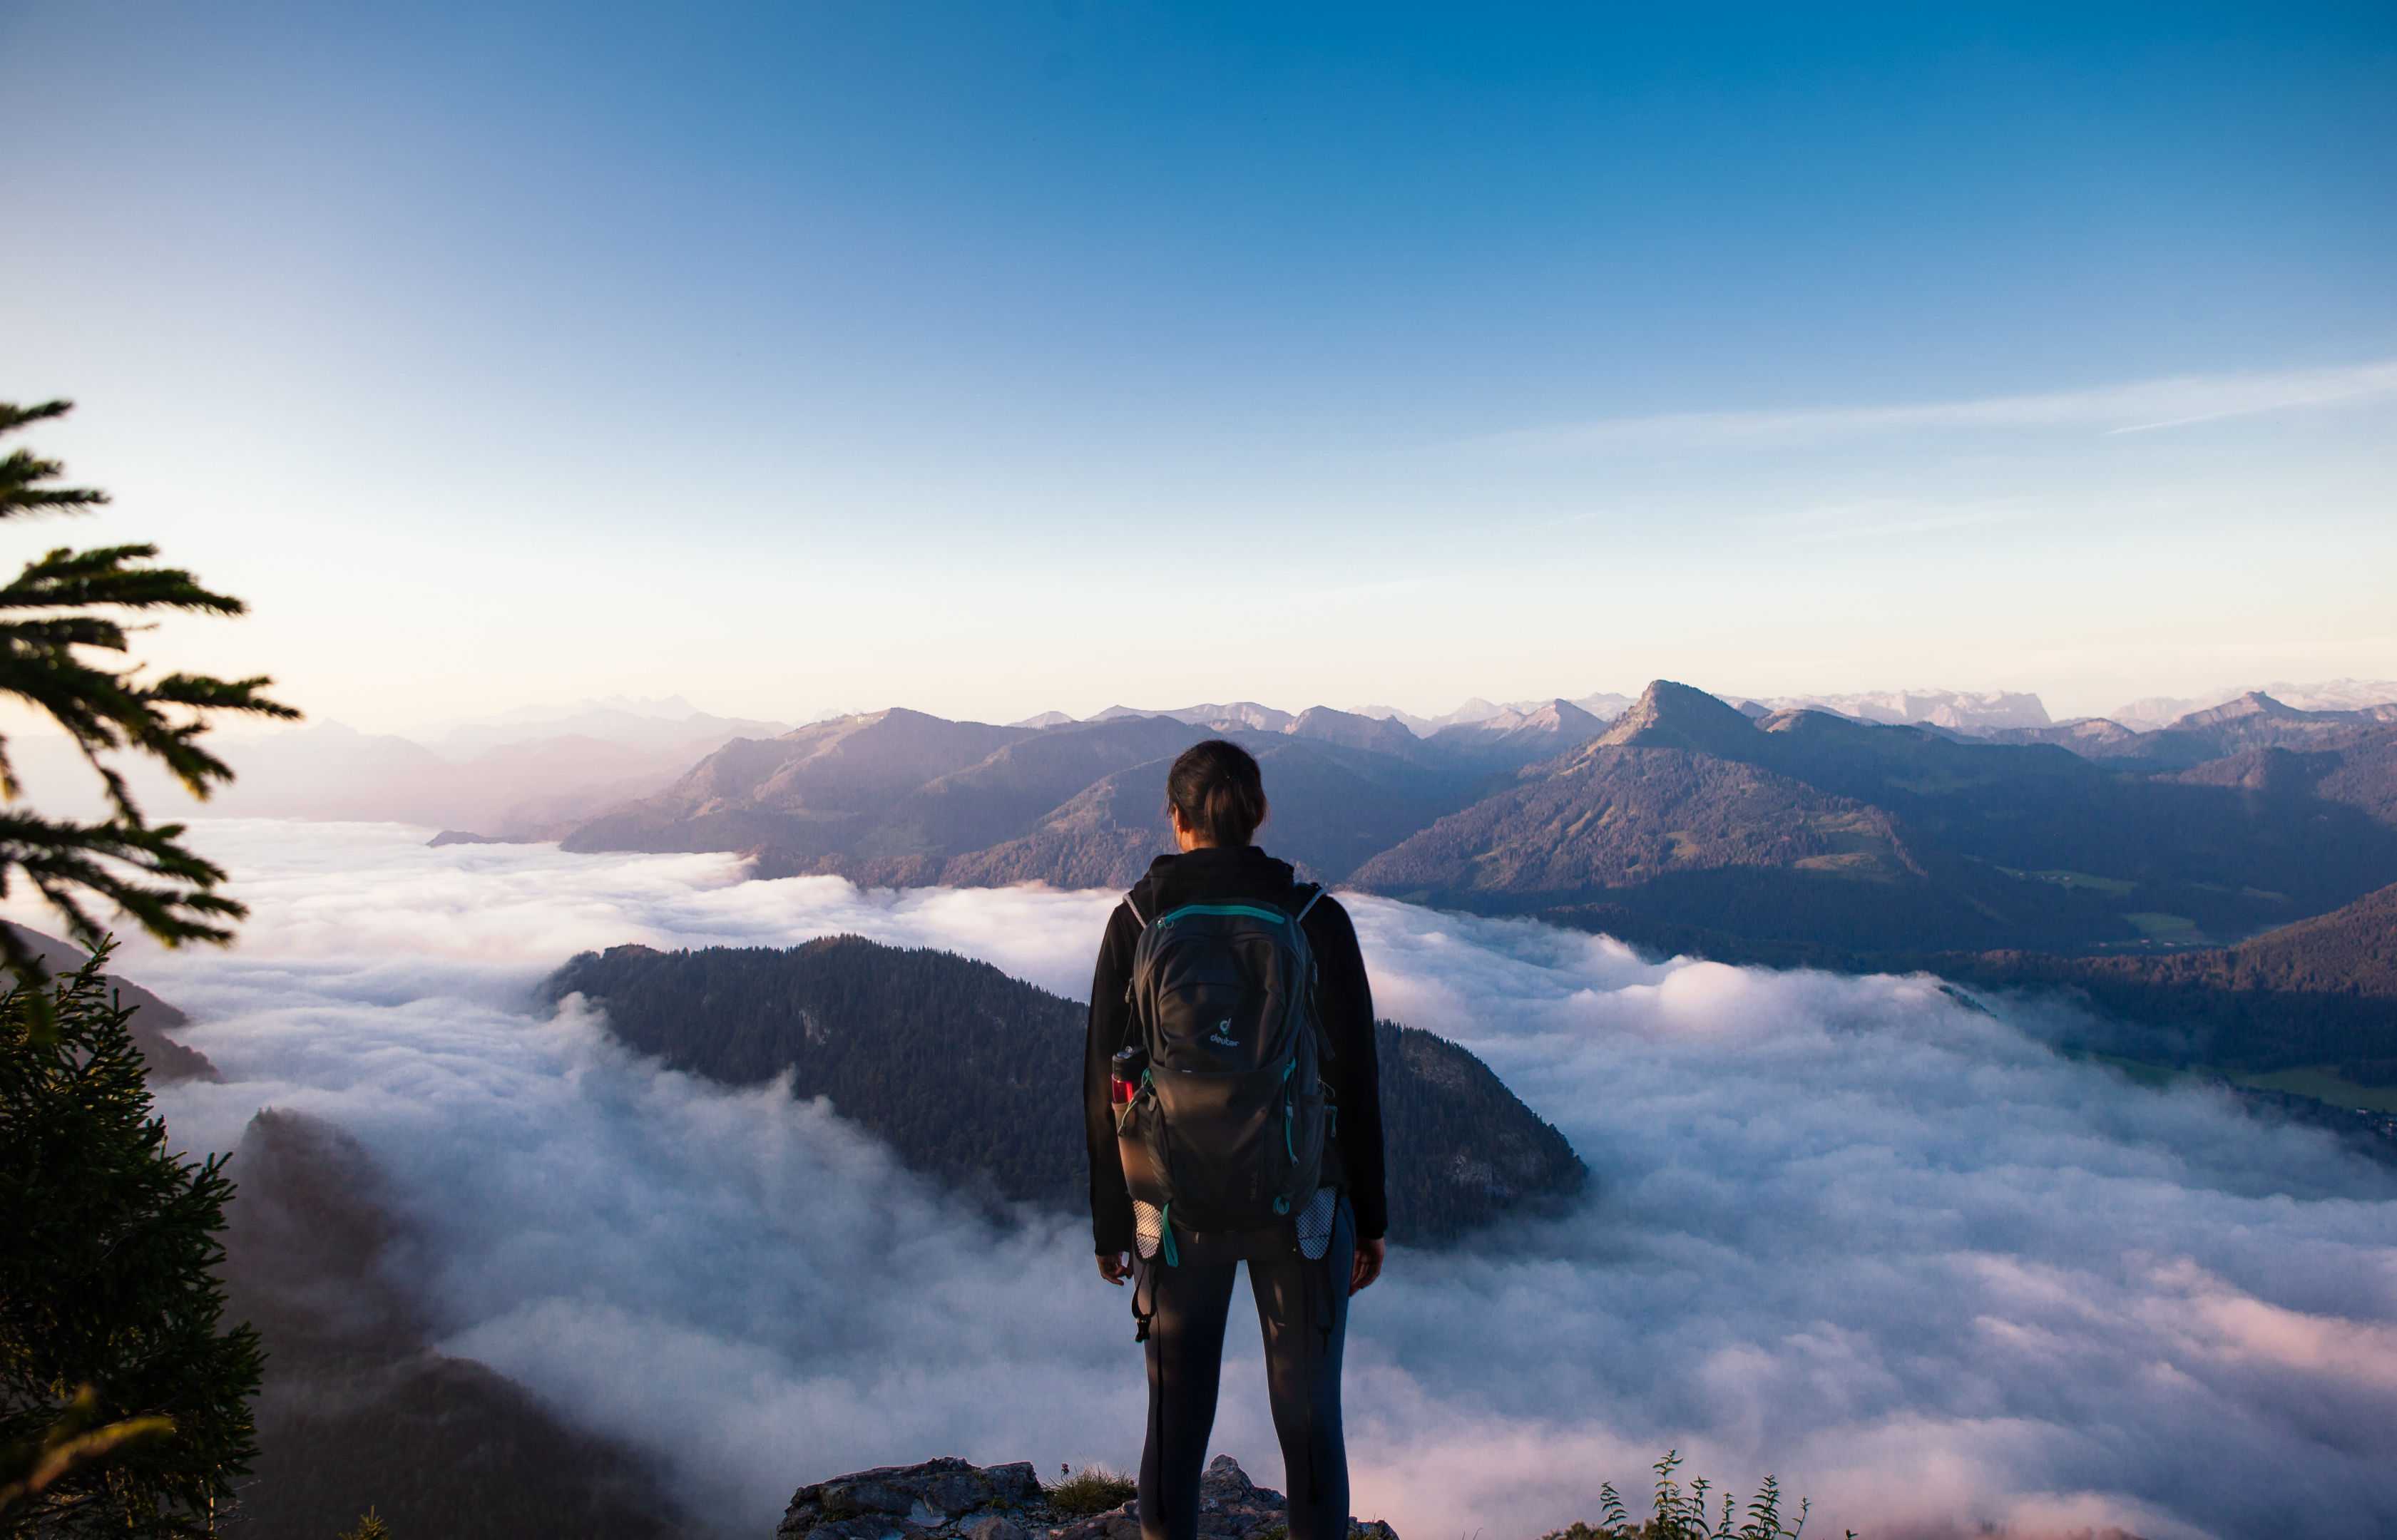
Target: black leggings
<point>1306,1323</point>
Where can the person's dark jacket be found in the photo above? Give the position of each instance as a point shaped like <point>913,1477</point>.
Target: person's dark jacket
<point>1216,875</point>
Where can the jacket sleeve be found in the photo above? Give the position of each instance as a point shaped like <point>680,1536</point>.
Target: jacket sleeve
<point>1347,1002</point>
<point>1111,1222</point>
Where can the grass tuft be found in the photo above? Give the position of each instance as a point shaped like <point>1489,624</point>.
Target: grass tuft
<point>1093,1489</point>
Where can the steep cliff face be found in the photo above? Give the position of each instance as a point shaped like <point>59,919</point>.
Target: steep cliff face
<point>947,1499</point>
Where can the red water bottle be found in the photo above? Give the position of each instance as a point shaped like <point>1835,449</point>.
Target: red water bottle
<point>1130,1064</point>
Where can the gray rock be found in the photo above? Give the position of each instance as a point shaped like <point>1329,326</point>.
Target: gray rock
<point>1225,1481</point>
<point>956,1492</point>
<point>874,1526</point>
<point>948,1499</point>
<point>1017,1482</point>
<point>872,1496</point>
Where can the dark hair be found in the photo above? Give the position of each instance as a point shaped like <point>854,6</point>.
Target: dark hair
<point>1217,788</point>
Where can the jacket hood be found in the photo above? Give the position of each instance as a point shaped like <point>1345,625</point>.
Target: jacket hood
<point>1212,872</point>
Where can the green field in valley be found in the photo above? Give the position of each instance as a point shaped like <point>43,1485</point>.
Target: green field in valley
<point>2320,1081</point>
<point>2325,1085</point>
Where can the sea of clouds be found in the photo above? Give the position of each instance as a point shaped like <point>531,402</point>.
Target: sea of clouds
<point>1859,1231</point>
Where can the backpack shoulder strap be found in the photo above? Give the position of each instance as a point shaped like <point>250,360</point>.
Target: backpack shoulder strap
<point>1315,892</point>
<point>1131,902</point>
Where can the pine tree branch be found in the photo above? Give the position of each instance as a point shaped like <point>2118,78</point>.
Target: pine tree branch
<point>21,473</point>
<point>69,579</point>
<point>50,622</point>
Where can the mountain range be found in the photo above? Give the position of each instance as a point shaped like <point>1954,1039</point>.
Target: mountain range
<point>2332,694</point>
<point>1684,822</point>
<point>532,775</point>
<point>1958,710</point>
<point>967,1073</point>
<point>537,773</point>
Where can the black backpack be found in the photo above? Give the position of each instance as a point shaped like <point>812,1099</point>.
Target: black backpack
<point>1226,1128</point>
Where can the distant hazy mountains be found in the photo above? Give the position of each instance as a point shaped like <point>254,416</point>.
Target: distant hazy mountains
<point>530,776</point>
<point>2335,695</point>
<point>2251,720</point>
<point>969,1074</point>
<point>898,796</point>
<point>1957,711</point>
<point>1683,822</point>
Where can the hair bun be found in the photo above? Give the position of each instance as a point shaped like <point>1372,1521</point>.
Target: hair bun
<point>1218,791</point>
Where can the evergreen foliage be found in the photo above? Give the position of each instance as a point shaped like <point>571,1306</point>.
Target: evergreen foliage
<point>62,609</point>
<point>111,1312</point>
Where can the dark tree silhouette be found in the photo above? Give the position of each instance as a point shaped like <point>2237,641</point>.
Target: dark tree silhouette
<point>124,1396</point>
<point>64,620</point>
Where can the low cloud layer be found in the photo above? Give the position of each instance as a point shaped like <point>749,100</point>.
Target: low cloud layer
<point>1855,1231</point>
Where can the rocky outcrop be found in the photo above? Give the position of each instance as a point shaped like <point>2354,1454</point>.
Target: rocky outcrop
<point>949,1498</point>
<point>938,1497</point>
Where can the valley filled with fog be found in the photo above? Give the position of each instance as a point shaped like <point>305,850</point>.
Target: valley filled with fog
<point>1863,1231</point>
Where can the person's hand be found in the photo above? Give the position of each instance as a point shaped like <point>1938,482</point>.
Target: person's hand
<point>1368,1265</point>
<point>1116,1268</point>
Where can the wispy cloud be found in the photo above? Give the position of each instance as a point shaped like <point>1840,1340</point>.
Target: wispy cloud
<point>2138,407</point>
<point>1885,518</point>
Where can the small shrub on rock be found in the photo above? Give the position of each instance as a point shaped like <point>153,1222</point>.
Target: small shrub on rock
<point>1682,1512</point>
<point>1093,1489</point>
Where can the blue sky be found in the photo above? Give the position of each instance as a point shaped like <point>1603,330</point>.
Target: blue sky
<point>989,358</point>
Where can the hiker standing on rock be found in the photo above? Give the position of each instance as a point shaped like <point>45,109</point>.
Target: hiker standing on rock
<point>1232,1103</point>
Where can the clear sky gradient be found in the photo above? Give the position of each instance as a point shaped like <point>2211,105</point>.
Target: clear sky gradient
<point>989,358</point>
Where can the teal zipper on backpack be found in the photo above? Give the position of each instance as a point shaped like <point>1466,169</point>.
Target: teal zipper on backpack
<point>1252,911</point>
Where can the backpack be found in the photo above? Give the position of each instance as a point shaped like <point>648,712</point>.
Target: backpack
<point>1226,1129</point>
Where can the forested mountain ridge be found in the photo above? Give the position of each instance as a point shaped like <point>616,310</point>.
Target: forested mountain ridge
<point>2322,990</point>
<point>1789,836</point>
<point>973,1077</point>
